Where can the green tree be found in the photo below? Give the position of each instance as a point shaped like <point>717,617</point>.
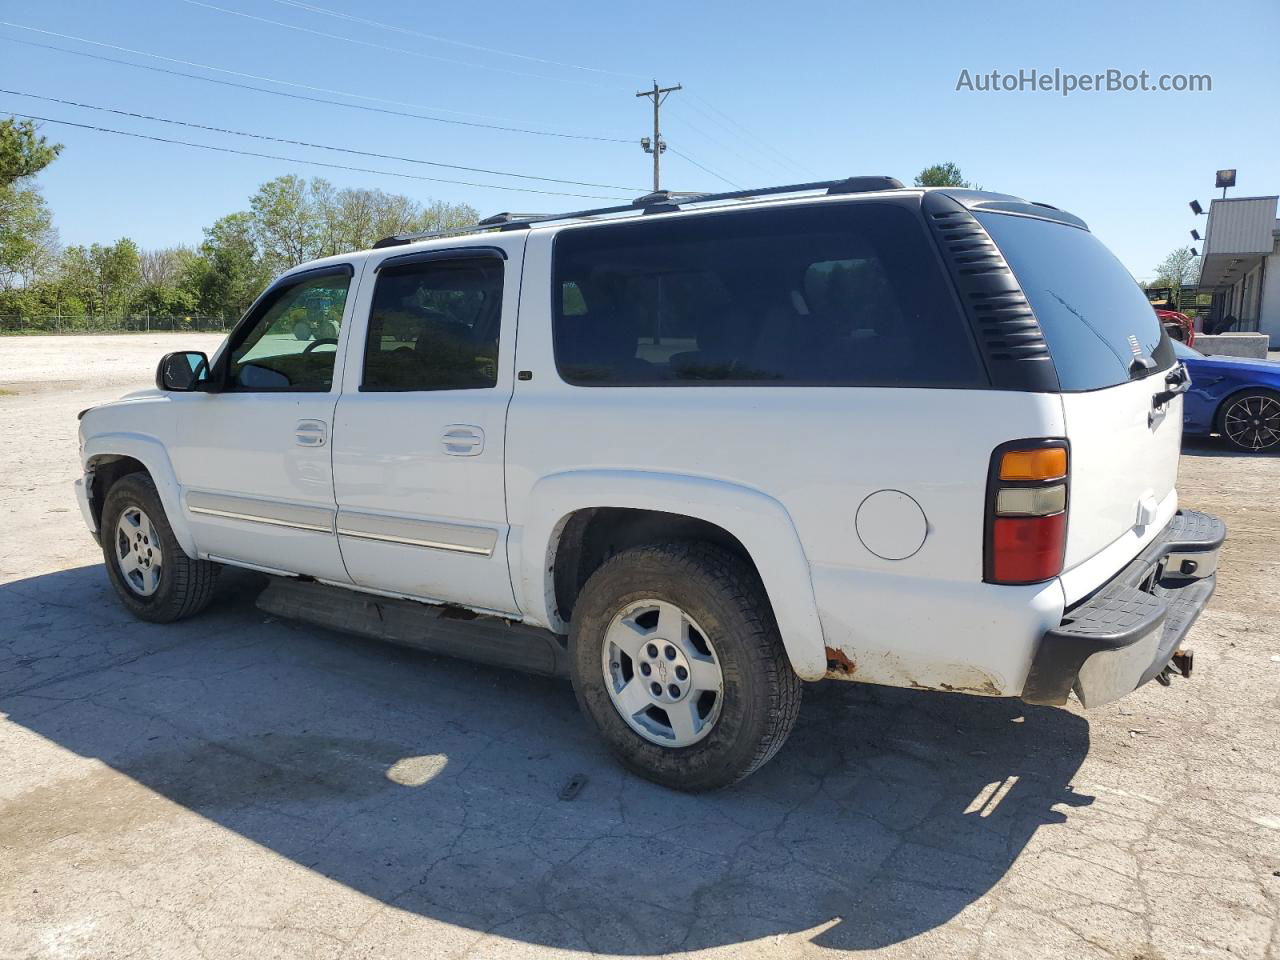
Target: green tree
<point>28,241</point>
<point>228,272</point>
<point>295,220</point>
<point>1176,270</point>
<point>284,222</point>
<point>943,175</point>
<point>103,279</point>
<point>164,288</point>
<point>23,152</point>
<point>368,215</point>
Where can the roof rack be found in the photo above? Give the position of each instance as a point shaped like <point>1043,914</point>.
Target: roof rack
<point>660,201</point>
<point>501,219</point>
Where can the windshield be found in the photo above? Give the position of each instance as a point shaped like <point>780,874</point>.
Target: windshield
<point>1096,320</point>
<point>1183,352</point>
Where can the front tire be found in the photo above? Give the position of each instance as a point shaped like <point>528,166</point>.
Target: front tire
<point>1250,421</point>
<point>678,664</point>
<point>152,575</point>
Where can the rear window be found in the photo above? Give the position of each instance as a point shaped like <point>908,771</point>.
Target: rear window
<point>828,294</point>
<point>1096,319</point>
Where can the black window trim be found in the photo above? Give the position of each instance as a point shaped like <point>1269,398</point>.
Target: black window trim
<point>910,203</point>
<point>451,253</point>
<point>429,256</point>
<point>219,382</point>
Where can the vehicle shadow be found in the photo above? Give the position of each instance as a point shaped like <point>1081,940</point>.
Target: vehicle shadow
<point>435,786</point>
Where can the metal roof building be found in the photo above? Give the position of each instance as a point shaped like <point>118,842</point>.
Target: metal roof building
<point>1240,262</point>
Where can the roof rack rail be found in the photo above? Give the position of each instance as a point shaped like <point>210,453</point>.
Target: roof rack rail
<point>502,219</point>
<point>397,239</point>
<point>660,201</point>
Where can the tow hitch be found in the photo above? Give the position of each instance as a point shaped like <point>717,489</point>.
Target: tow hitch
<point>1180,664</point>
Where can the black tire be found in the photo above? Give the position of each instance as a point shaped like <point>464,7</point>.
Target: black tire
<point>725,597</point>
<point>1252,440</point>
<point>185,585</point>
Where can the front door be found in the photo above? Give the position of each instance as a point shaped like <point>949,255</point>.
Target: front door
<point>419,432</point>
<point>253,459</point>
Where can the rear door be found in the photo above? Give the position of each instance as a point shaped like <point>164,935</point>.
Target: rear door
<point>1112,358</point>
<point>419,432</point>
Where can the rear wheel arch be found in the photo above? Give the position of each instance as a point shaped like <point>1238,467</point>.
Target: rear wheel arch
<point>593,535</point>
<point>565,511</point>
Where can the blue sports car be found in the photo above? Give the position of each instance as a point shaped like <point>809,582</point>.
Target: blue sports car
<point>1232,396</point>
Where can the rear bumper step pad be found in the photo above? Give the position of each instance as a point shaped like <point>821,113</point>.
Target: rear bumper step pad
<point>1126,633</point>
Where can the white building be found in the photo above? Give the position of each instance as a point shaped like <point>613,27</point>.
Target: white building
<point>1240,263</point>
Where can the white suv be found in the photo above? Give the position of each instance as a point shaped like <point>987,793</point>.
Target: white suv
<point>692,452</point>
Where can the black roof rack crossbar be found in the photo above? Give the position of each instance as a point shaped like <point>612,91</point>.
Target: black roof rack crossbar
<point>661,201</point>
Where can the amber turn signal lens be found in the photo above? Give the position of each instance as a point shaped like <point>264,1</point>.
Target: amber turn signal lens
<point>1047,463</point>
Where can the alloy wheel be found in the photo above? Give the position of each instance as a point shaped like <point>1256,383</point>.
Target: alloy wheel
<point>662,673</point>
<point>138,555</point>
<point>1253,422</point>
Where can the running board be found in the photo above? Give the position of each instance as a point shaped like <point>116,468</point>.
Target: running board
<point>446,630</point>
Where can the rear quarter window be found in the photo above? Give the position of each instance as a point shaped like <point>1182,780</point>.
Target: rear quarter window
<point>834,294</point>
<point>1095,318</point>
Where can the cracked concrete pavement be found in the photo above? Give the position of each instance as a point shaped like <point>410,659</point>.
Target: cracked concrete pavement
<point>235,786</point>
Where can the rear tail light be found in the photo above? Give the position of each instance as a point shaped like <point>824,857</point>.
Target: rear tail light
<point>1026,529</point>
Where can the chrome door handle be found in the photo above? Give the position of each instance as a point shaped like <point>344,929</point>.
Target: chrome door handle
<point>310,433</point>
<point>462,440</point>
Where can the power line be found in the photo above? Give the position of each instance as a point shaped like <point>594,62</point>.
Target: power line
<point>716,138</point>
<point>753,137</point>
<point>685,123</point>
<point>317,146</point>
<point>279,93</point>
<point>315,8</point>
<point>313,163</point>
<point>707,169</point>
<point>382,46</point>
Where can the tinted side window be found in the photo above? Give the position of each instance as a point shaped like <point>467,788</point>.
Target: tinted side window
<point>837,294</point>
<point>434,325</point>
<point>1095,318</point>
<point>293,341</point>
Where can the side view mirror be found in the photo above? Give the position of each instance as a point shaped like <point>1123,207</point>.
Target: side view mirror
<point>182,371</point>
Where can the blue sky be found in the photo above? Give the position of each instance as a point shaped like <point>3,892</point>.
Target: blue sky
<point>774,94</point>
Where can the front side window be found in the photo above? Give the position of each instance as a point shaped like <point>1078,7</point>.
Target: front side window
<point>824,294</point>
<point>434,325</point>
<point>293,342</point>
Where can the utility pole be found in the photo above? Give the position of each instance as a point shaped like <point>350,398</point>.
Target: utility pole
<point>656,146</point>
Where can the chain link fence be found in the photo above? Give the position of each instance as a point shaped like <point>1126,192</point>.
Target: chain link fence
<point>132,323</point>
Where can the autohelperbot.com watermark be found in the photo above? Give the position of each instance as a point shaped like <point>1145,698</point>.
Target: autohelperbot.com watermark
<point>1065,82</point>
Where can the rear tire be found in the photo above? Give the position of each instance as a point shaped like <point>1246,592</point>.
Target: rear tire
<point>1250,421</point>
<point>727,638</point>
<point>152,575</point>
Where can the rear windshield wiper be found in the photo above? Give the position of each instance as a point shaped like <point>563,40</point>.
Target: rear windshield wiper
<point>1140,367</point>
